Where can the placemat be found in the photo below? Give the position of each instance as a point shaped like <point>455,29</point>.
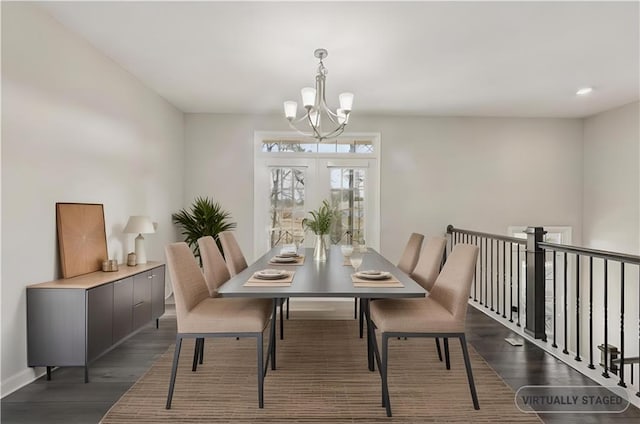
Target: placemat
<point>299,261</point>
<point>361,282</point>
<point>284,282</point>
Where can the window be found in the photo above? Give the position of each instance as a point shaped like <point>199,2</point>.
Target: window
<point>294,175</point>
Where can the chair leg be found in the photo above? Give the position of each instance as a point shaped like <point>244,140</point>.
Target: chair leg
<point>174,371</point>
<point>446,353</point>
<point>438,349</point>
<point>373,344</point>
<point>467,364</point>
<point>383,373</point>
<point>361,317</point>
<point>269,349</point>
<point>196,355</point>
<point>260,373</point>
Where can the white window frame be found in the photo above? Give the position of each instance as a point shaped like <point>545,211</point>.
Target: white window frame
<point>312,161</point>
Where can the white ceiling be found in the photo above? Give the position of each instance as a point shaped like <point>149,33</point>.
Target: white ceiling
<point>427,58</point>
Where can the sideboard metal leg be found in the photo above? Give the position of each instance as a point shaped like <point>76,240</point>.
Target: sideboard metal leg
<point>49,373</point>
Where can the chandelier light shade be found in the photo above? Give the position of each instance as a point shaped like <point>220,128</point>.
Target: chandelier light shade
<point>324,123</point>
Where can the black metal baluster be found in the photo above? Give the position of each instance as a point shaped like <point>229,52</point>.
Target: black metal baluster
<point>486,251</point>
<point>621,383</point>
<point>526,280</point>
<point>566,308</point>
<point>475,274</point>
<point>480,274</point>
<point>491,275</point>
<point>577,358</point>
<point>510,281</point>
<point>590,366</point>
<point>468,237</point>
<point>554,299</point>
<point>518,287</point>
<point>605,373</point>
<point>504,279</point>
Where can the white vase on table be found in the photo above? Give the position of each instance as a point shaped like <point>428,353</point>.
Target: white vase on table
<point>320,250</point>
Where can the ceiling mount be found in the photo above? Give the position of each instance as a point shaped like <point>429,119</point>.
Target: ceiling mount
<point>321,53</point>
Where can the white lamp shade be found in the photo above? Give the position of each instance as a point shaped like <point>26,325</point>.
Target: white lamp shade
<point>346,101</point>
<point>308,96</point>
<point>290,109</point>
<point>139,225</point>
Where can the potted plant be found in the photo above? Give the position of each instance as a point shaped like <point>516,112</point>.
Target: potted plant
<point>204,218</point>
<point>320,223</point>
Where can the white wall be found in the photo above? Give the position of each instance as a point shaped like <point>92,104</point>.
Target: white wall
<point>611,215</point>
<point>75,128</point>
<point>478,173</point>
<point>611,205</point>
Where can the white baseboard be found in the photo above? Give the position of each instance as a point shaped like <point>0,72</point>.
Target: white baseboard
<point>19,380</point>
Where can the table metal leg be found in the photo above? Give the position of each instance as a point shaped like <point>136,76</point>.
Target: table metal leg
<point>361,323</point>
<point>273,331</point>
<point>281,319</point>
<point>365,307</point>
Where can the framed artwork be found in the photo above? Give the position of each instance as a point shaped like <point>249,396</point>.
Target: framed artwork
<point>81,237</point>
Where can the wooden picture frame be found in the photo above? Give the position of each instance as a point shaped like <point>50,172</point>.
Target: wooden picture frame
<point>82,238</point>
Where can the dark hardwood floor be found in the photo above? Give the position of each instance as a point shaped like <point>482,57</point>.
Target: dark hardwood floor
<point>66,399</point>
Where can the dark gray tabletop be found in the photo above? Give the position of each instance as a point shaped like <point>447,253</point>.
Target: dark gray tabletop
<point>322,279</point>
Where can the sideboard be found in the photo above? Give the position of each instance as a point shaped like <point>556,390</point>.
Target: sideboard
<point>73,321</point>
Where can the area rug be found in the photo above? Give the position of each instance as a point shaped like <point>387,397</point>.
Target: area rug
<point>322,377</point>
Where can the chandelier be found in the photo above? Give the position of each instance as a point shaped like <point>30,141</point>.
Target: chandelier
<point>323,121</point>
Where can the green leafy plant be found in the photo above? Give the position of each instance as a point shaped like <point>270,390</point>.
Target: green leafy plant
<point>320,221</point>
<point>204,218</point>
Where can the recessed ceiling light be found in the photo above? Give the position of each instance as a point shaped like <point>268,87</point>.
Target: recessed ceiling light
<point>584,91</point>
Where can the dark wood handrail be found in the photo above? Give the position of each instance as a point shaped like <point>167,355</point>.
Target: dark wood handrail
<point>603,254</point>
<point>451,229</point>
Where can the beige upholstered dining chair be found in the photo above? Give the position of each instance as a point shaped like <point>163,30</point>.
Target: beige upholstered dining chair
<point>426,272</point>
<point>214,267</point>
<point>407,263</point>
<point>200,316</point>
<point>215,274</point>
<point>236,263</point>
<point>429,263</point>
<point>232,253</point>
<point>441,314</point>
<point>411,253</point>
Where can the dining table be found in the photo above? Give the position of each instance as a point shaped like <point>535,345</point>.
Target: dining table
<point>332,278</point>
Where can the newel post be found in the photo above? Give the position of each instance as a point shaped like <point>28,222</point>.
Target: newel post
<point>535,283</point>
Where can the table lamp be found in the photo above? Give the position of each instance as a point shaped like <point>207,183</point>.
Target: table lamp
<point>139,225</point>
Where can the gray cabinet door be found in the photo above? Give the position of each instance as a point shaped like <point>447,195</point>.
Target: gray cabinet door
<point>141,299</point>
<point>157,292</point>
<point>122,308</point>
<point>99,320</point>
<point>56,327</point>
